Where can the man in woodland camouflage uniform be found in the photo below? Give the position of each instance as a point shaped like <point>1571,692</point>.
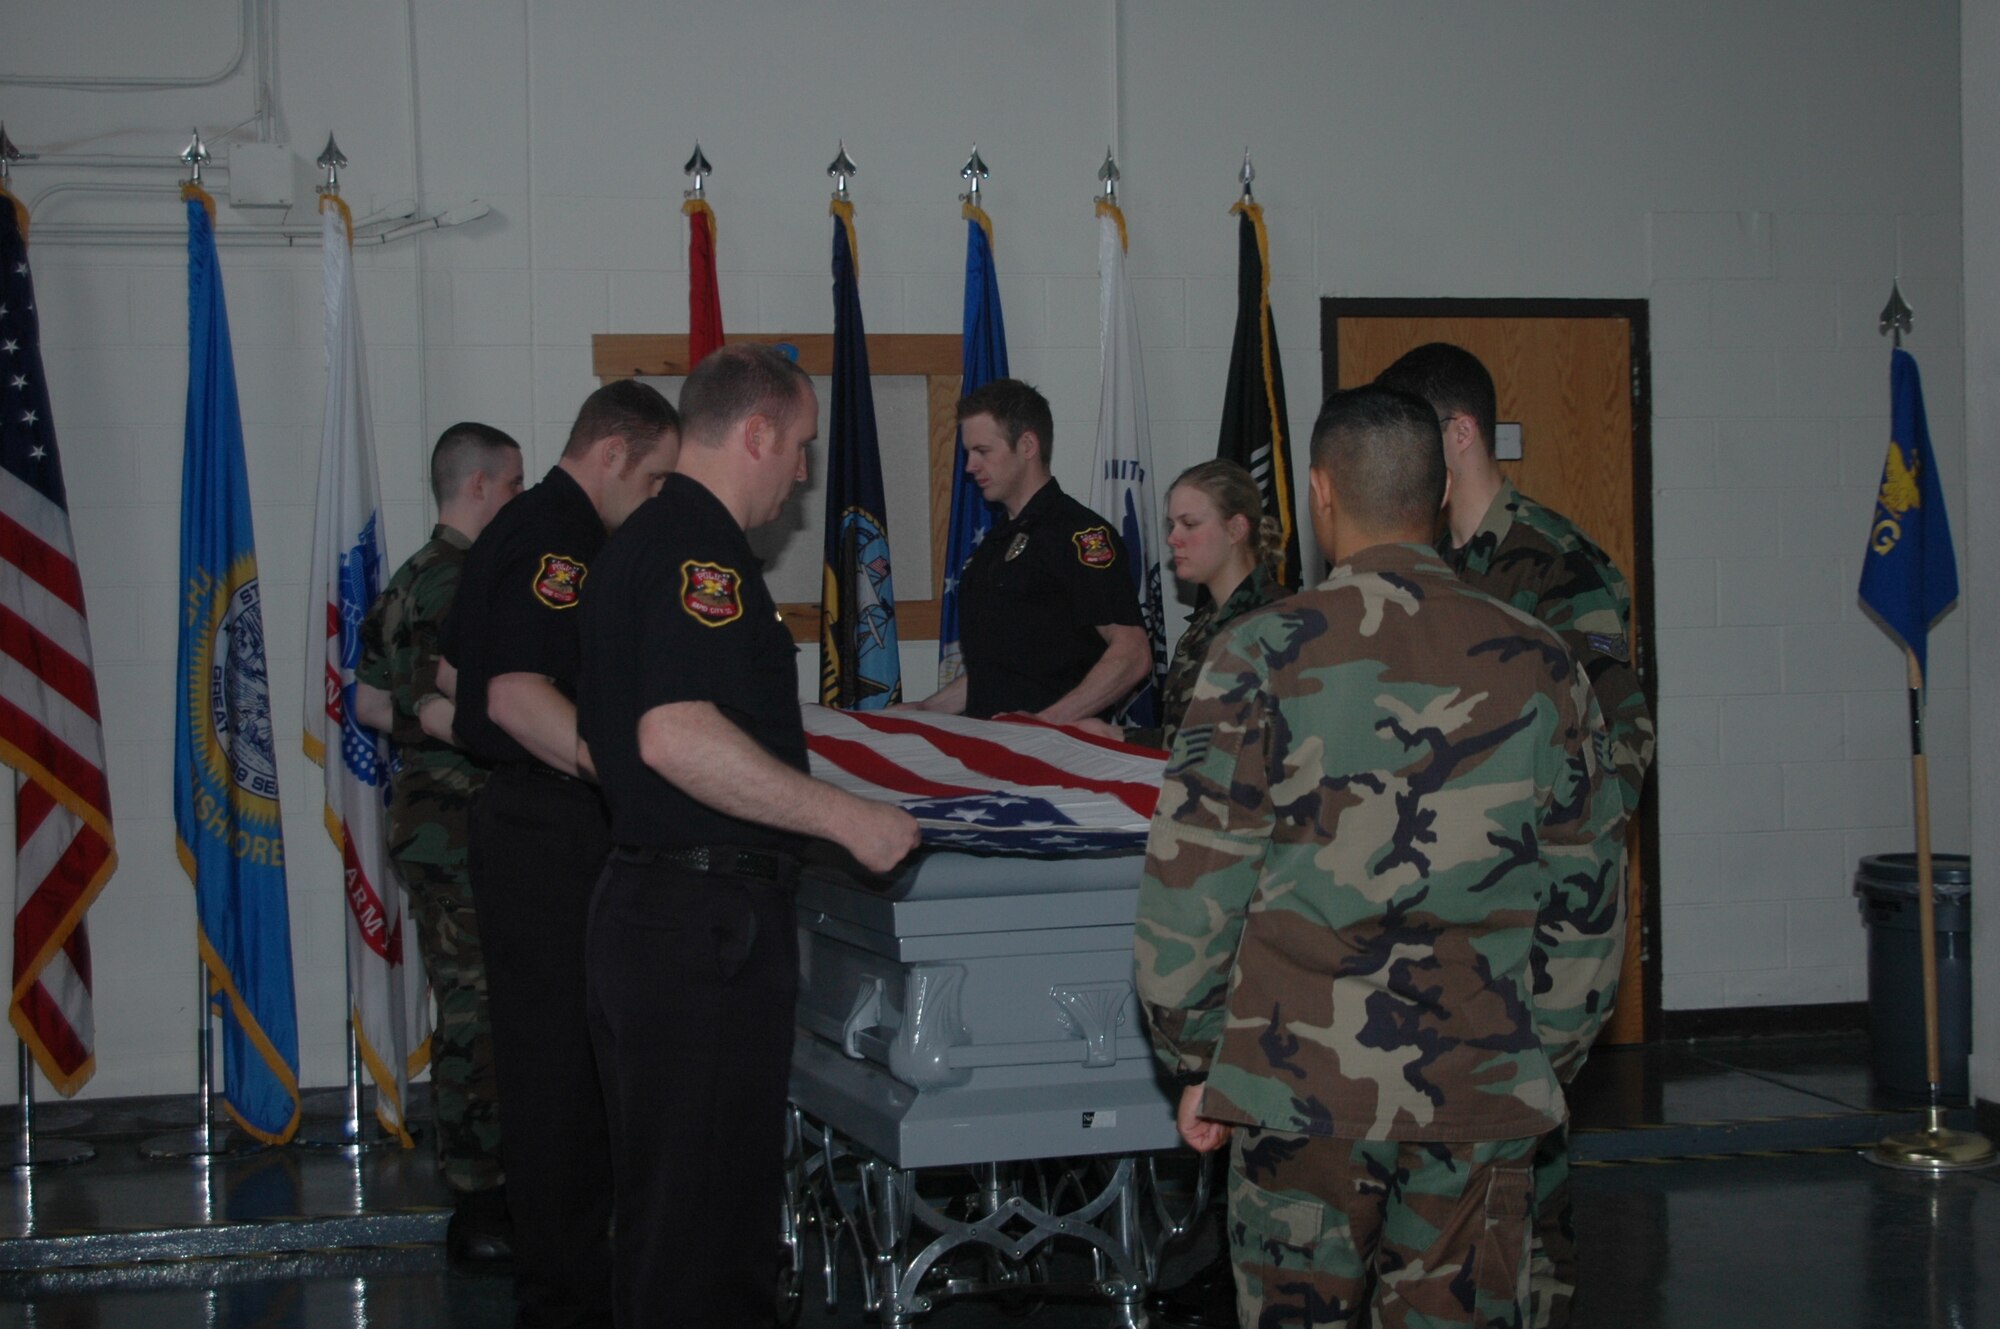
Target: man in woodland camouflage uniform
<point>475,469</point>
<point>1536,559</point>
<point>1385,815</point>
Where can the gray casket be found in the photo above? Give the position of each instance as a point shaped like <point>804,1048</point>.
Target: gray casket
<point>978,1010</point>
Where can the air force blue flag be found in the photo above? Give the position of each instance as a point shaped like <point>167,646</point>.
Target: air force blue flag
<point>1909,576</point>
<point>985,360</point>
<point>859,667</point>
<point>226,818</point>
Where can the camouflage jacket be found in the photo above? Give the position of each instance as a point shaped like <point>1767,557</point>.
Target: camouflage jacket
<point>1258,589</point>
<point>433,784</point>
<point>1384,819</point>
<point>1536,559</point>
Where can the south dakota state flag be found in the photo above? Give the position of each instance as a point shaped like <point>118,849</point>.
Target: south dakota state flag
<point>226,819</point>
<point>985,359</point>
<point>859,668</point>
<point>1909,576</point>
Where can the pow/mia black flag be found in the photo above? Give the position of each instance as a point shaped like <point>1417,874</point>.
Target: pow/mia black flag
<point>1254,431</point>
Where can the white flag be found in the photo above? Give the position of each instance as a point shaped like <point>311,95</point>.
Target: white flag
<point>388,998</point>
<point>1122,489</point>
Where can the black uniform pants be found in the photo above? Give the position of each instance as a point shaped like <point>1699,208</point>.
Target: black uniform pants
<point>538,844</point>
<point>693,988</point>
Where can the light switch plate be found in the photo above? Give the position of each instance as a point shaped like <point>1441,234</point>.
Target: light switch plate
<point>1507,442</point>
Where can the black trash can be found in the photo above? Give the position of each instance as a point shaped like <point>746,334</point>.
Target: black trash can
<point>1887,887</point>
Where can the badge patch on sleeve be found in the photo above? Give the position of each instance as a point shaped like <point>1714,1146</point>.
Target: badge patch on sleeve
<point>711,593</point>
<point>559,581</point>
<point>1606,644</point>
<point>1093,547</point>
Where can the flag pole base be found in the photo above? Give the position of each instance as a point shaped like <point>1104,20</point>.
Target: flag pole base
<point>217,1142</point>
<point>1935,1150</point>
<point>54,1153</point>
<point>336,1138</point>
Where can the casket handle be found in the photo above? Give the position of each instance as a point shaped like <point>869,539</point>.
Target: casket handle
<point>864,1015</point>
<point>1094,1011</point>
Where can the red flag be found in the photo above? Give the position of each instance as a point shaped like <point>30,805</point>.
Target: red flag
<point>49,728</point>
<point>704,300</point>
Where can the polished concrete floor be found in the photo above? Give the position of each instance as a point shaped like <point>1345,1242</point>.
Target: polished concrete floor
<point>1722,1186</point>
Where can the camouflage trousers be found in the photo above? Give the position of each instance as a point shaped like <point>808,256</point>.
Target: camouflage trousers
<point>463,1094</point>
<point>1329,1231</point>
<point>1552,1264</point>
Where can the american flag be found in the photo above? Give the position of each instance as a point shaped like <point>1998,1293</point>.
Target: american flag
<point>49,727</point>
<point>992,786</point>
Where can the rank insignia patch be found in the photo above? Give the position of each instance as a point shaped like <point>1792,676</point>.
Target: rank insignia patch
<point>711,593</point>
<point>1605,644</point>
<point>559,580</point>
<point>1093,547</point>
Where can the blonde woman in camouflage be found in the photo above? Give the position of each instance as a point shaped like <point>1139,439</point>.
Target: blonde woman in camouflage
<point>1223,542</point>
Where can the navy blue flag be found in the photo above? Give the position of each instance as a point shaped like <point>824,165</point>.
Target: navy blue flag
<point>985,360</point>
<point>1909,576</point>
<point>226,815</point>
<point>859,667</point>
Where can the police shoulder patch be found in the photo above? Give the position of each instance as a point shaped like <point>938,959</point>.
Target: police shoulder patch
<point>559,581</point>
<point>1094,548</point>
<point>711,594</point>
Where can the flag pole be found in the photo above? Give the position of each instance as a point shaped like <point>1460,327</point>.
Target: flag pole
<point>30,1152</point>
<point>1936,1149</point>
<point>346,1136</point>
<point>204,1140</point>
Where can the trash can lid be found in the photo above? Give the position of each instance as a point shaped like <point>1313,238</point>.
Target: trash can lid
<point>1896,874</point>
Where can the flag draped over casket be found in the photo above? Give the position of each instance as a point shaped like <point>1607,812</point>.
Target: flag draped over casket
<point>992,786</point>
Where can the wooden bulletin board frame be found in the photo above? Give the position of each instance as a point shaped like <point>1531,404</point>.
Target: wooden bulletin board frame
<point>934,357</point>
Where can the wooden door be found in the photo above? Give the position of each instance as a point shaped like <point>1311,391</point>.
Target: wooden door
<point>1572,375</point>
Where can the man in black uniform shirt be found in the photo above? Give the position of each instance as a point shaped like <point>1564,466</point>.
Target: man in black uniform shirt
<point>540,834</point>
<point>690,708</point>
<point>1048,620</point>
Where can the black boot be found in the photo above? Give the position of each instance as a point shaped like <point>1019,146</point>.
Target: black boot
<point>479,1237</point>
<point>1205,1301</point>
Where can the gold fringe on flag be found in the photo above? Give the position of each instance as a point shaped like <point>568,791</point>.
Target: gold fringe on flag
<point>345,215</point>
<point>844,209</point>
<point>189,189</point>
<point>20,211</point>
<point>973,212</point>
<point>1279,478</point>
<point>695,205</point>
<point>1106,208</point>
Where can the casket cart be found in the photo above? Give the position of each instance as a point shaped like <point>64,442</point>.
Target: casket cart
<point>975,1107</point>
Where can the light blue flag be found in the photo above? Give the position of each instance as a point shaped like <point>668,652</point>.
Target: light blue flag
<point>1909,576</point>
<point>226,817</point>
<point>985,359</point>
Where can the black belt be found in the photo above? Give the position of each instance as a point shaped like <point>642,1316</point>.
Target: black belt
<point>717,860</point>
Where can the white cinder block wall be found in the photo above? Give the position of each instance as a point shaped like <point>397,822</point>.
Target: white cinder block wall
<point>1738,166</point>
